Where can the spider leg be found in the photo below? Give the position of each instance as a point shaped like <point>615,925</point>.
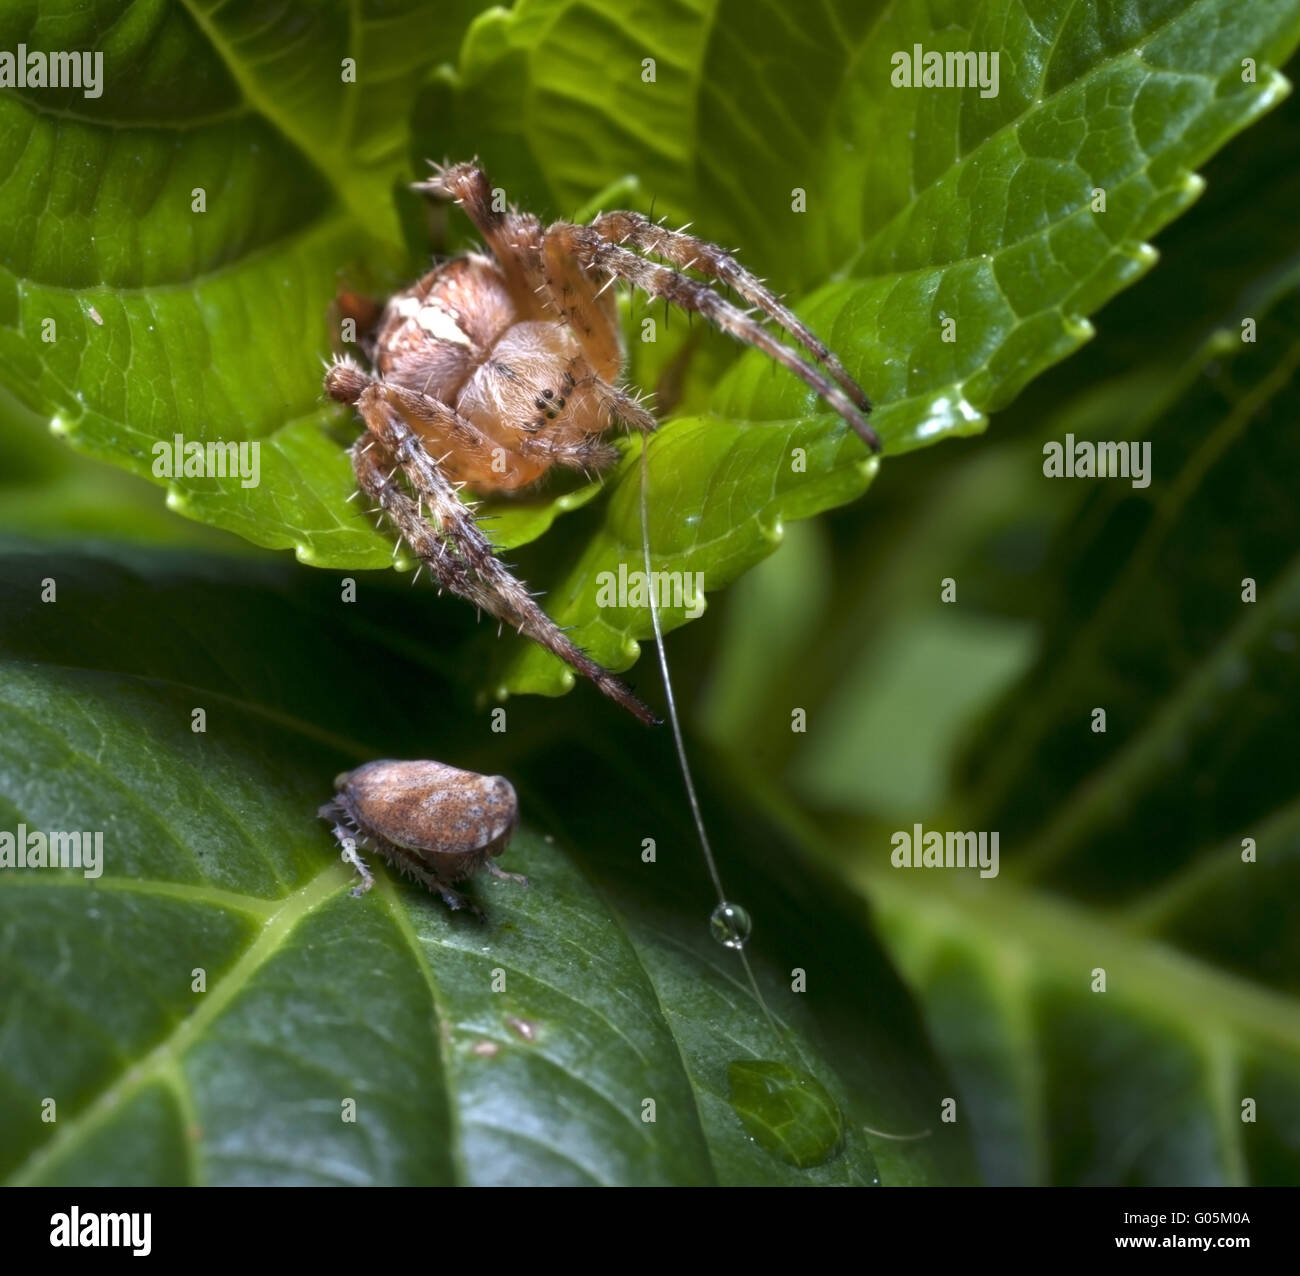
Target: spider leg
<point>459,556</point>
<point>613,404</point>
<point>453,432</point>
<point>585,452</point>
<point>691,253</point>
<point>592,317</point>
<point>346,380</point>
<point>595,252</point>
<point>589,311</point>
<point>625,407</point>
<point>515,238</point>
<point>479,459</point>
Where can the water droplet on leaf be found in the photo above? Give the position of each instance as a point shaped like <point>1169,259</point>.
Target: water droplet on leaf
<point>730,925</point>
<point>786,1111</point>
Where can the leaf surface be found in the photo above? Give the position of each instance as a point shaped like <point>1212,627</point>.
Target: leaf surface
<point>205,1009</point>
<point>921,207</point>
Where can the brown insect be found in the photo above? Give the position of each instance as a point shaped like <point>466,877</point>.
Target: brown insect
<point>432,822</point>
<point>491,371</point>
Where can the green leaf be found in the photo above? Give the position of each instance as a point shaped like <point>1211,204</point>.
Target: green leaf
<point>214,862</point>
<point>786,1112</point>
<point>984,518</point>
<point>46,489</point>
<point>922,206</point>
<point>1163,851</point>
<point>208,324</point>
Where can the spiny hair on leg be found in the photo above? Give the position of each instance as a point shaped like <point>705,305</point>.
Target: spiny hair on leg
<point>464,562</point>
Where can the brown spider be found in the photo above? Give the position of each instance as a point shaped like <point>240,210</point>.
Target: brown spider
<point>491,370</point>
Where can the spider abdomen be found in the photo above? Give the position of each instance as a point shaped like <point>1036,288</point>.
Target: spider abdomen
<point>434,335</point>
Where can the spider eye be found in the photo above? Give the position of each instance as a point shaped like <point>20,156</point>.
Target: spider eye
<point>548,394</point>
<point>559,403</point>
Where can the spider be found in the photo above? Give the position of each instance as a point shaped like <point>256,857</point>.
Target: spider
<point>491,370</point>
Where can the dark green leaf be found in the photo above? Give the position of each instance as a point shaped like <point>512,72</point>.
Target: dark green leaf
<point>922,207</point>
<point>614,992</point>
<point>1163,851</point>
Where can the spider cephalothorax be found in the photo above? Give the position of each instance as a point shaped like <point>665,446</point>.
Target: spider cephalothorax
<point>490,371</point>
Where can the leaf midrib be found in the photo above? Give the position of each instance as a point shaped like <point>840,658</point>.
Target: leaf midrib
<point>159,1063</point>
<point>1069,937</point>
<point>1106,788</point>
<point>267,108</point>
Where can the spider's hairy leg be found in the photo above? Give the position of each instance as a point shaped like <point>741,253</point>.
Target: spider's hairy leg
<point>589,311</point>
<point>597,253</point>
<point>479,460</point>
<point>515,238</point>
<point>346,380</point>
<point>458,554</point>
<point>688,252</point>
<point>468,185</point>
<point>624,408</point>
<point>585,452</point>
<point>483,461</point>
<point>591,314</point>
